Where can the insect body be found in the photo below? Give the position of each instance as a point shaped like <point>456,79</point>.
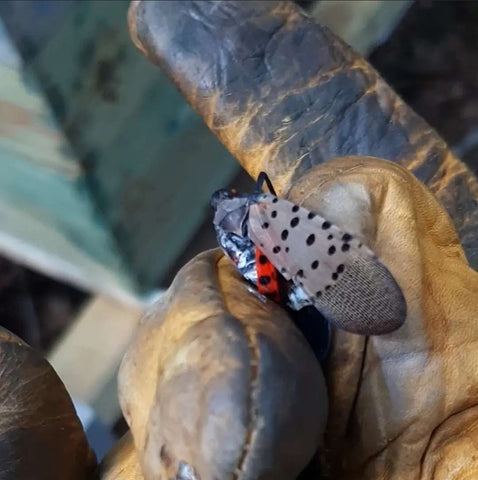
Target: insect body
<point>322,264</point>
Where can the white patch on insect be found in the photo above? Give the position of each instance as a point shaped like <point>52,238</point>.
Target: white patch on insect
<point>303,246</point>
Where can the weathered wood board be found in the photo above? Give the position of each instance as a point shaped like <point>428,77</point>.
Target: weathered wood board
<point>47,218</point>
<point>150,162</point>
<point>362,24</point>
<point>144,162</point>
<point>88,355</point>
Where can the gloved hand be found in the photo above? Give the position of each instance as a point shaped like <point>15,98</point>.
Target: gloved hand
<point>402,404</point>
<point>41,436</point>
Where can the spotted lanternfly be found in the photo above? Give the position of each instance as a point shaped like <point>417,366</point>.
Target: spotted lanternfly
<point>320,264</point>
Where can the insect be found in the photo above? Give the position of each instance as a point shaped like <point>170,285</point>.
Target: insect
<point>318,263</point>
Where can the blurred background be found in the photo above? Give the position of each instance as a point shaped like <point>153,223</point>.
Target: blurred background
<point>106,173</point>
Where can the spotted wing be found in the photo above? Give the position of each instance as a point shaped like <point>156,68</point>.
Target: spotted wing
<point>343,277</point>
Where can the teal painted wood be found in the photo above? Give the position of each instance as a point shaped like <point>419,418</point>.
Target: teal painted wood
<point>47,218</point>
<point>150,162</point>
<point>31,23</point>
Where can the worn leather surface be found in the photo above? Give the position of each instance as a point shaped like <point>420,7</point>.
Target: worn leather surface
<point>41,436</point>
<point>398,401</point>
<point>220,379</point>
<point>285,95</point>
<point>121,462</point>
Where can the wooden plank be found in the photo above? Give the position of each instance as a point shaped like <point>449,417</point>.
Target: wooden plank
<point>32,23</point>
<point>27,126</point>
<point>30,240</point>
<point>150,161</point>
<point>362,24</point>
<point>8,55</point>
<point>88,355</point>
<point>47,218</point>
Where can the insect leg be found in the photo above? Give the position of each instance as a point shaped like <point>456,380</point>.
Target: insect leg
<point>263,177</point>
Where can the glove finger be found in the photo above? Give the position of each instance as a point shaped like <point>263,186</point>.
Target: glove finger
<point>219,382</point>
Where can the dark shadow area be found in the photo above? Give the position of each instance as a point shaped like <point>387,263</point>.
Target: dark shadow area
<point>430,60</point>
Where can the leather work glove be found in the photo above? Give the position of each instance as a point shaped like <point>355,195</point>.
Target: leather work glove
<point>387,393</point>
<point>285,95</point>
<point>41,436</point>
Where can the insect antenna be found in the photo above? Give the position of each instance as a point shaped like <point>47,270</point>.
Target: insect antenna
<point>263,177</point>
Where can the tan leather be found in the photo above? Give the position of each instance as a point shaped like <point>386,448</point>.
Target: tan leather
<point>121,462</point>
<point>402,405</point>
<point>220,380</point>
<point>41,436</point>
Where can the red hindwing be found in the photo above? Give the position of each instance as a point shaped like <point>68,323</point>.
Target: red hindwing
<point>267,277</point>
